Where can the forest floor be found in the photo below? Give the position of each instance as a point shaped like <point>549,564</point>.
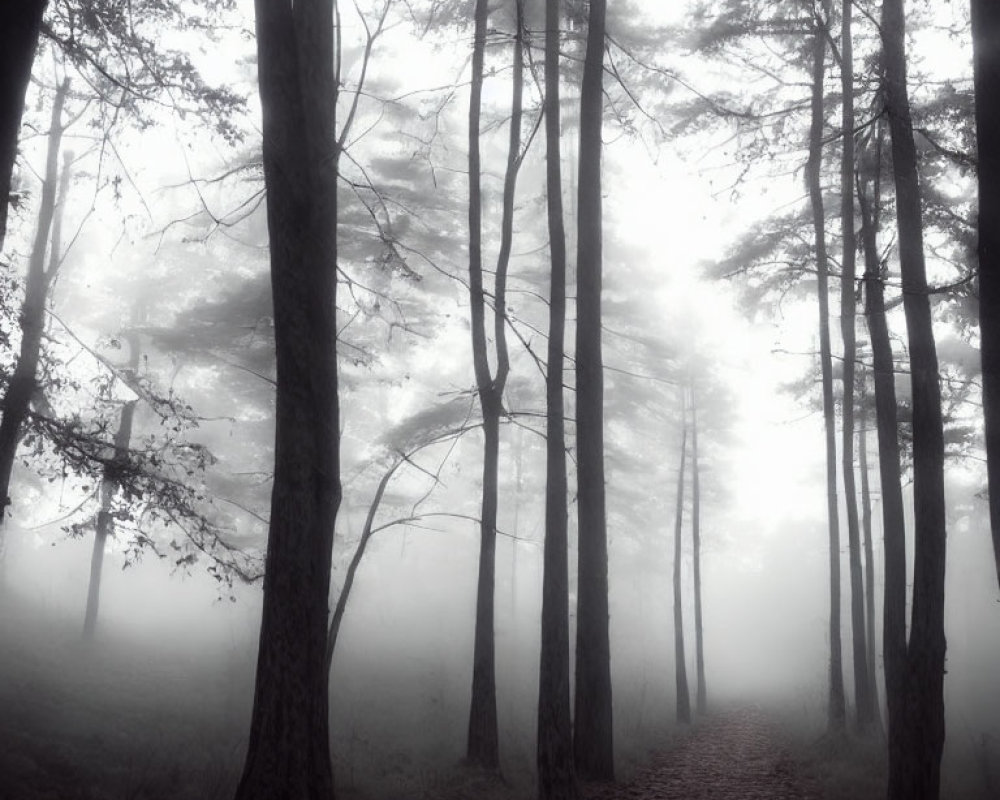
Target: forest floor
<point>745,753</point>
<point>117,720</point>
<point>736,755</point>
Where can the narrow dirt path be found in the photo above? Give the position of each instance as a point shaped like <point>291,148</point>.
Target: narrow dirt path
<point>734,756</point>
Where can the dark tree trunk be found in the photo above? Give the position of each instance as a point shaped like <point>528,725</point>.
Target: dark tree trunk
<point>917,774</point>
<point>835,709</point>
<point>986,49</point>
<point>483,738</point>
<point>680,658</point>
<point>866,528</point>
<point>20,21</point>
<point>22,383</point>
<point>887,426</point>
<point>593,737</point>
<point>109,485</point>
<point>863,701</point>
<point>288,755</point>
<point>701,702</point>
<point>556,775</point>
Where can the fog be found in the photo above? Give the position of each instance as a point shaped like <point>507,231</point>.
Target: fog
<point>160,303</point>
<point>165,691</point>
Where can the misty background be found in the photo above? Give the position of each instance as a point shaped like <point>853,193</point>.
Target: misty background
<point>164,262</point>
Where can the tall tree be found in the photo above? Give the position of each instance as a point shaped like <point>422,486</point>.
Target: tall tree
<point>869,548</point>
<point>680,658</point>
<point>836,707</point>
<point>483,739</point>
<point>887,428</point>
<point>701,698</point>
<point>556,775</point>
<point>986,69</point>
<point>22,383</point>
<point>593,738</point>
<point>288,756</point>
<point>20,21</point>
<point>916,772</point>
<point>863,701</point>
<point>110,484</point>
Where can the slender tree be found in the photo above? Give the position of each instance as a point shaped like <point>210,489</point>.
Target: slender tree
<point>863,701</point>
<point>288,756</point>
<point>986,69</point>
<point>887,427</point>
<point>701,698</point>
<point>869,548</point>
<point>483,738</point>
<point>20,21</point>
<point>366,534</point>
<point>556,775</point>
<point>21,387</point>
<point>109,486</point>
<point>680,659</point>
<point>593,739</point>
<point>916,773</point>
<point>836,707</point>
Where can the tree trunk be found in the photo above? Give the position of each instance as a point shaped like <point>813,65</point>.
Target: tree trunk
<point>483,738</point>
<point>22,383</point>
<point>593,737</point>
<point>835,710</point>
<point>20,21</point>
<point>986,49</point>
<point>109,485</point>
<point>288,755</point>
<point>866,528</point>
<point>556,775</point>
<point>701,702</point>
<point>917,774</point>
<point>680,659</point>
<point>864,704</point>
<point>887,426</point>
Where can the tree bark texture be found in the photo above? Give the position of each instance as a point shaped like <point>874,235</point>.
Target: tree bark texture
<point>17,400</point>
<point>109,485</point>
<point>836,711</point>
<point>986,69</point>
<point>593,739</point>
<point>20,21</point>
<point>680,658</point>
<point>701,698</point>
<point>917,774</point>
<point>556,773</point>
<point>863,702</point>
<point>288,755</point>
